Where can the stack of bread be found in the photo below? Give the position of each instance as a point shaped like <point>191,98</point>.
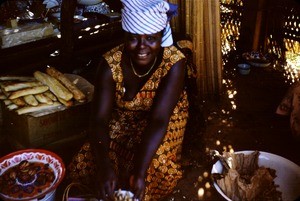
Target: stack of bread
<point>39,92</point>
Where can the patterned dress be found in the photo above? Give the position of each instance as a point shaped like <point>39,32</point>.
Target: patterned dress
<point>128,122</point>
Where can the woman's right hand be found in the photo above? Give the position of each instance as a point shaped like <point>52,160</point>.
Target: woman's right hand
<point>137,186</point>
<point>106,180</point>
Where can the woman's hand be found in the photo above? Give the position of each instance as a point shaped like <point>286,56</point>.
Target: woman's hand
<point>102,107</point>
<point>137,186</point>
<point>106,183</point>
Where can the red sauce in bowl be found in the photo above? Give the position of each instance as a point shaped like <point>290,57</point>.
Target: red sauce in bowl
<point>26,179</point>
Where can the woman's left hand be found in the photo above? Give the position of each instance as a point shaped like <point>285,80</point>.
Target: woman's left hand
<point>137,186</point>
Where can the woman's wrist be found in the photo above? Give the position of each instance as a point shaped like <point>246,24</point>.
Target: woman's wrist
<point>139,172</point>
<point>100,152</point>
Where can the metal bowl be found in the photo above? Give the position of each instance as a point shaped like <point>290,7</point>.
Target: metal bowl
<point>288,174</point>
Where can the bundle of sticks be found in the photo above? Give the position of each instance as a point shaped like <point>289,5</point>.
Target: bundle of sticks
<point>25,94</point>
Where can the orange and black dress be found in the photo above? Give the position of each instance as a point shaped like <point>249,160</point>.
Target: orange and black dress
<point>128,122</point>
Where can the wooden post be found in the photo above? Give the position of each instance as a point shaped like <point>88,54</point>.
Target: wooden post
<point>248,18</point>
<point>67,35</point>
<point>252,22</point>
<point>258,32</point>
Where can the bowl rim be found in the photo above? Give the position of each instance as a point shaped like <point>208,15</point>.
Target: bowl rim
<point>247,152</point>
<point>44,151</point>
<point>256,64</point>
<point>89,2</point>
<point>245,66</point>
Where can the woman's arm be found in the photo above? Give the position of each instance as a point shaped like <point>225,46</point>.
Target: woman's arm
<point>103,101</point>
<point>164,103</point>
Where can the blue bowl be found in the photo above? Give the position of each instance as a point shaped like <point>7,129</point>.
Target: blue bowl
<point>244,69</point>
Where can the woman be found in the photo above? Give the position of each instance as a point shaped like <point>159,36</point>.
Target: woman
<point>140,109</point>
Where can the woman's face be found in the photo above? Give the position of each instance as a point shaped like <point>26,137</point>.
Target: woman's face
<point>144,48</point>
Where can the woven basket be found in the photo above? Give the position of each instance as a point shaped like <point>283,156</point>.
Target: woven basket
<point>83,193</point>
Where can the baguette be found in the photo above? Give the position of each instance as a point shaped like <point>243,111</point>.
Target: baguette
<point>17,78</point>
<point>7,102</point>
<point>30,100</point>
<point>27,91</point>
<point>54,85</point>
<point>3,91</point>
<point>12,106</point>
<point>21,85</point>
<point>42,106</point>
<point>42,98</point>
<point>66,103</point>
<point>78,94</point>
<point>51,95</point>
<point>3,96</point>
<point>18,101</point>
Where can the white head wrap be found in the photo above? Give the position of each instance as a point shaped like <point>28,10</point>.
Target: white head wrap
<point>147,17</point>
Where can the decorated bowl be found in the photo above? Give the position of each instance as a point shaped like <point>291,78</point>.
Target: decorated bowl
<point>101,8</point>
<point>30,174</point>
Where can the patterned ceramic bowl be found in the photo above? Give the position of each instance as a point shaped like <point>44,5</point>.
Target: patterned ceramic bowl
<point>30,174</point>
<point>101,8</point>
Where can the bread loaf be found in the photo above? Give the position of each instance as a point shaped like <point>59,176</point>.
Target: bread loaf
<point>2,96</point>
<point>77,93</point>
<point>7,102</point>
<point>51,95</point>
<point>27,91</point>
<point>42,106</point>
<point>21,85</point>
<point>54,85</point>
<point>66,103</point>
<point>17,78</point>
<point>18,101</point>
<point>42,98</point>
<point>30,100</point>
<point>12,106</point>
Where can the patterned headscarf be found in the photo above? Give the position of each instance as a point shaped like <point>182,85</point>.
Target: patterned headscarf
<point>148,17</point>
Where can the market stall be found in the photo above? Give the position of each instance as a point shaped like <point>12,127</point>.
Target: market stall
<point>52,38</point>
